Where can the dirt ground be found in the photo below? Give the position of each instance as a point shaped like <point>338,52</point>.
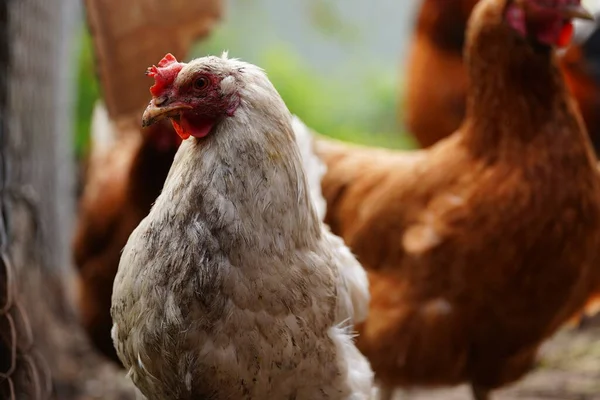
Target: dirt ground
<point>569,370</point>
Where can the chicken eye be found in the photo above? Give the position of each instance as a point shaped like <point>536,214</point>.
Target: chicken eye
<point>201,83</point>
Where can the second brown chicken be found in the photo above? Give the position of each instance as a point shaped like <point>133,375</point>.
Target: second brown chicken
<point>481,247</point>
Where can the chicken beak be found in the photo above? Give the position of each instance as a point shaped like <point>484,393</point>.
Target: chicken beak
<point>572,11</point>
<point>157,111</point>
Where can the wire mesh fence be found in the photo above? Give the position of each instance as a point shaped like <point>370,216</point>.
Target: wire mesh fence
<point>23,372</point>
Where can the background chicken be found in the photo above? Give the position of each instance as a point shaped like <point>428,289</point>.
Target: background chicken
<point>436,78</point>
<point>242,290</point>
<point>127,165</point>
<point>125,175</point>
<point>464,242</point>
<point>436,81</point>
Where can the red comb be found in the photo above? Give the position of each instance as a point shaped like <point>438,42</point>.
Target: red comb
<point>164,74</point>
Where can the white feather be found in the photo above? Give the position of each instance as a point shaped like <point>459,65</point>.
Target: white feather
<point>354,277</point>
<point>314,167</point>
<point>103,132</point>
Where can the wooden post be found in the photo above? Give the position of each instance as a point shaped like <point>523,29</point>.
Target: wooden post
<point>42,347</point>
<point>129,36</point>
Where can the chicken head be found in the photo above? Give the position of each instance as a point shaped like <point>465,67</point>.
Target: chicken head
<point>546,21</point>
<point>195,97</point>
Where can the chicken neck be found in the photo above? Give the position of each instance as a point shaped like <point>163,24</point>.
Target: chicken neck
<point>222,181</point>
<point>516,91</point>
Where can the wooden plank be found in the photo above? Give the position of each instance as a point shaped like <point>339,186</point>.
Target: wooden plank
<point>129,36</point>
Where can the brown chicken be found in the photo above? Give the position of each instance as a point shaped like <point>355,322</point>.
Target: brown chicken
<point>125,175</point>
<point>436,78</point>
<point>480,247</point>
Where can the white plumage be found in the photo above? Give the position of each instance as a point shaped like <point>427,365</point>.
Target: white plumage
<point>314,167</point>
<point>232,287</point>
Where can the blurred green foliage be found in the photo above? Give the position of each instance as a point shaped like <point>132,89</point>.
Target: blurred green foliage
<point>87,93</point>
<point>327,20</point>
<point>339,108</point>
<point>360,109</point>
<point>357,108</point>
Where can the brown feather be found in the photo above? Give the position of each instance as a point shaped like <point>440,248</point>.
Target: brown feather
<point>480,247</point>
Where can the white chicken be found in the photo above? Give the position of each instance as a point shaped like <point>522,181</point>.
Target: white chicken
<point>232,287</point>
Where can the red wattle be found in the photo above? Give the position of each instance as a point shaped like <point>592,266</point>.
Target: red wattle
<point>179,129</point>
<point>196,127</point>
<point>566,34</point>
